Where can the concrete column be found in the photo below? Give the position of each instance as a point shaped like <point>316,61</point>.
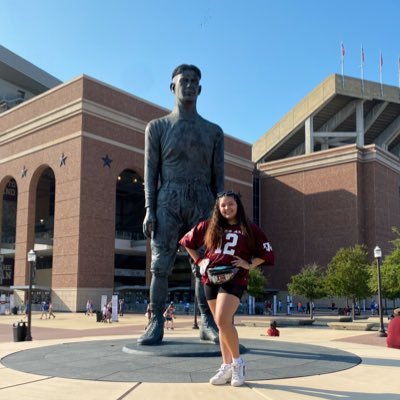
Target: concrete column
<point>325,144</point>
<point>309,135</point>
<point>360,123</point>
<point>25,232</point>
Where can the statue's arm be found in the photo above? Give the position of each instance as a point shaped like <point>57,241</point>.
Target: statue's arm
<point>151,174</point>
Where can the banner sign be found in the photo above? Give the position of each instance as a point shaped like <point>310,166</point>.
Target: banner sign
<point>7,272</point>
<point>10,192</point>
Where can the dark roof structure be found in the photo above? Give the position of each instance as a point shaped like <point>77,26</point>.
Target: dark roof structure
<point>21,72</point>
<point>339,111</point>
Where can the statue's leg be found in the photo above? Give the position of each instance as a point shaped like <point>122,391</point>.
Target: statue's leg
<point>208,327</point>
<point>163,252</point>
<point>203,199</point>
<point>158,292</point>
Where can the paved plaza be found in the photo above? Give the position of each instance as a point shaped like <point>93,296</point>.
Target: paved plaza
<point>73,356</point>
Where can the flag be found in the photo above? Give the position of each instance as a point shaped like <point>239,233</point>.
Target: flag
<point>362,55</point>
<point>343,52</point>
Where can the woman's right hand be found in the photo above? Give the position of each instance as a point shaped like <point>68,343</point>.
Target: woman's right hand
<point>203,264</point>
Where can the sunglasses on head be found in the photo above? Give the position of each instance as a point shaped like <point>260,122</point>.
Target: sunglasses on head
<point>230,193</point>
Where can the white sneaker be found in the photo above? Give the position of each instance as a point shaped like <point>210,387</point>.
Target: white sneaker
<point>238,373</point>
<point>223,375</point>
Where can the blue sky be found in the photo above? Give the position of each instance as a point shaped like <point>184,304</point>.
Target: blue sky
<point>258,57</point>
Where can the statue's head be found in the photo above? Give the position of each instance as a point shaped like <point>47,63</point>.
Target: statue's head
<point>186,67</point>
<point>186,83</point>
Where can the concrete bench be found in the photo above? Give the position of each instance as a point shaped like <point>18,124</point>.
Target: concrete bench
<point>352,326</point>
<point>279,321</point>
<point>324,319</point>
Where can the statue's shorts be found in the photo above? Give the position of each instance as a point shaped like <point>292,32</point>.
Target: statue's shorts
<point>180,206</point>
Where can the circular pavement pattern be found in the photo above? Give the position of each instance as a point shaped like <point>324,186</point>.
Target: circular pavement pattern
<point>123,360</point>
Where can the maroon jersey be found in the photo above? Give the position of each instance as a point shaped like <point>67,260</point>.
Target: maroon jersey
<point>234,243</point>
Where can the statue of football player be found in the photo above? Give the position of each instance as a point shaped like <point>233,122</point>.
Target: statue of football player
<point>184,170</point>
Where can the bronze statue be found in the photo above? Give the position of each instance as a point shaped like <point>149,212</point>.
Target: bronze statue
<point>184,170</point>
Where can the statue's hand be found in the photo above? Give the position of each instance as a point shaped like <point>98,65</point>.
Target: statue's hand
<point>149,223</point>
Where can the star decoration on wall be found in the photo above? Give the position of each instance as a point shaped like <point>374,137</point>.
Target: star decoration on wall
<point>106,161</point>
<point>62,159</point>
<point>24,171</point>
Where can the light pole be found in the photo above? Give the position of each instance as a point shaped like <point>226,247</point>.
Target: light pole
<point>1,267</point>
<point>378,256</point>
<point>31,260</point>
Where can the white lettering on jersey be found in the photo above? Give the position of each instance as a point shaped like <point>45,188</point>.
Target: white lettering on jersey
<point>231,242</point>
<point>229,247</point>
<point>267,246</point>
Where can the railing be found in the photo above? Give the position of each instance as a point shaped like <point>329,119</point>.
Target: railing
<point>129,235</point>
<point>8,239</point>
<point>43,238</point>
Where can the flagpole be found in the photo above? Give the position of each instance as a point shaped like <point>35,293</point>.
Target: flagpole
<point>398,71</point>
<point>342,62</point>
<point>380,71</point>
<point>362,69</point>
<point>398,68</point>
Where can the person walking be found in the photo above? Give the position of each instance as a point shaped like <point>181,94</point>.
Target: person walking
<point>187,308</point>
<point>169,316</point>
<point>44,308</point>
<point>51,313</point>
<point>89,307</point>
<point>373,307</point>
<point>230,239</point>
<point>121,307</point>
<point>109,312</point>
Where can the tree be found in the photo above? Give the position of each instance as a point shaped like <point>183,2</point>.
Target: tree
<point>390,272</point>
<point>308,283</point>
<point>257,283</point>
<point>348,274</point>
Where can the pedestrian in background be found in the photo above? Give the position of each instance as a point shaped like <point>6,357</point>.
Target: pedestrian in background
<point>51,313</point>
<point>272,330</point>
<point>44,308</point>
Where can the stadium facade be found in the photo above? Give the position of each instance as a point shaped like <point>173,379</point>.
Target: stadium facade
<point>71,172</point>
<point>329,174</point>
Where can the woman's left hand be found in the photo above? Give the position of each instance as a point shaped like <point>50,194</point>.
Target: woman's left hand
<point>239,262</point>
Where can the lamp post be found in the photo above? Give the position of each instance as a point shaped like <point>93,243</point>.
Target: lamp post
<point>1,267</point>
<point>31,260</point>
<point>378,257</point>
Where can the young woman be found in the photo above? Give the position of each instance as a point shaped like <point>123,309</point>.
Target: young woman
<point>229,239</point>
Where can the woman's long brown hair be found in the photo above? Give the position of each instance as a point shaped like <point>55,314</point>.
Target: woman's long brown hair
<point>217,225</point>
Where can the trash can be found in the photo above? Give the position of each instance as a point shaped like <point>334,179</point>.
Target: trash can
<point>99,316</point>
<point>19,331</point>
<point>14,310</point>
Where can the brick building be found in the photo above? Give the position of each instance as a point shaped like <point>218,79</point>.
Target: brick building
<point>71,172</point>
<point>329,174</point>
<point>73,158</point>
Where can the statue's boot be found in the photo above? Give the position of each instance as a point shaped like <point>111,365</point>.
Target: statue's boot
<point>154,332</point>
<point>208,327</point>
